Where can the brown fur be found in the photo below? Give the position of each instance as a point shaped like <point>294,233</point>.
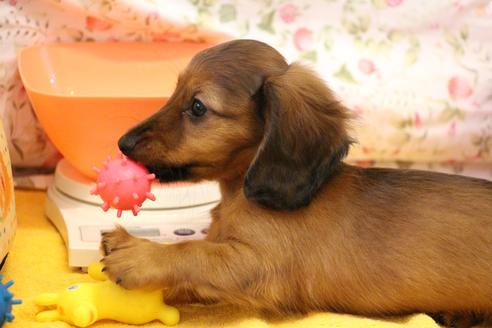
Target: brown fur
<point>298,230</point>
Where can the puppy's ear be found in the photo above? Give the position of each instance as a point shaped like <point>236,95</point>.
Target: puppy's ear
<point>304,141</point>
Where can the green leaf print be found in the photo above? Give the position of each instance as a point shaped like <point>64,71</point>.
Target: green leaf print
<point>411,56</point>
<point>364,23</point>
<point>267,21</point>
<point>351,27</point>
<point>394,36</point>
<point>402,124</point>
<point>345,75</point>
<point>284,37</point>
<point>464,33</point>
<point>413,51</point>
<point>455,44</point>
<point>326,37</point>
<point>484,143</point>
<point>449,112</point>
<point>227,13</point>
<point>357,27</point>
<point>310,55</point>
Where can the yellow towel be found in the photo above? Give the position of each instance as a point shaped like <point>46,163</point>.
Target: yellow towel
<point>38,264</point>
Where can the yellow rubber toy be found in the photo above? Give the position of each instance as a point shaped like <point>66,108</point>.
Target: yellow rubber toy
<point>85,303</point>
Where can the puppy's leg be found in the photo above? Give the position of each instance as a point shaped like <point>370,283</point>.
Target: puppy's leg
<point>210,270</point>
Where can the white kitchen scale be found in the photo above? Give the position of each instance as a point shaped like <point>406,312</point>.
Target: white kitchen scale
<point>180,212</point>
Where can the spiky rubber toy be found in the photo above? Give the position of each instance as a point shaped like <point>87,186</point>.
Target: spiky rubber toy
<point>123,184</point>
<point>6,302</point>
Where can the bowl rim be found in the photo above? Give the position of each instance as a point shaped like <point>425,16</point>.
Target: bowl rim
<point>21,57</point>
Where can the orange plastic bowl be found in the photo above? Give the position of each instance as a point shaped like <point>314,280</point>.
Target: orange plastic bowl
<point>86,95</point>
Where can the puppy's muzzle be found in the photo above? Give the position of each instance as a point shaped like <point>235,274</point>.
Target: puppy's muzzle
<point>127,143</point>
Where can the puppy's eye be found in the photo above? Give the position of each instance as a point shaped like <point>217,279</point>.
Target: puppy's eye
<point>198,108</point>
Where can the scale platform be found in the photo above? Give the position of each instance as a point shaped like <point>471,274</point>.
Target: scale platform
<point>181,212</point>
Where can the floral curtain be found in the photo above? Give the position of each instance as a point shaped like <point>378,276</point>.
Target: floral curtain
<point>417,74</point>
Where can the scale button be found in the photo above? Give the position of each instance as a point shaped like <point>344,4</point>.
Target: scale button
<point>184,232</point>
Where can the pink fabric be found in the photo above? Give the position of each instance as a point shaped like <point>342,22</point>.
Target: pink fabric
<point>418,73</point>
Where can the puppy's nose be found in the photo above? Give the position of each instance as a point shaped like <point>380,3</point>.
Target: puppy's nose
<point>127,143</point>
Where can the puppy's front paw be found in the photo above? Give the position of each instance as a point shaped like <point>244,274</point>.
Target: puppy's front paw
<point>132,262</point>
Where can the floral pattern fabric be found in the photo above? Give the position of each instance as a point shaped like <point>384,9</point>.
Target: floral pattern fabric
<point>417,74</point>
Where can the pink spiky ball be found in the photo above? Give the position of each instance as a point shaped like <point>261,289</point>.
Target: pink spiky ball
<point>123,184</point>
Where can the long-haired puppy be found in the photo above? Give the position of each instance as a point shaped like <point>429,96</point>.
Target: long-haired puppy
<point>297,229</point>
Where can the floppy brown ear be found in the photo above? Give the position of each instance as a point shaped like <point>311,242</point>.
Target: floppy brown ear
<point>304,141</point>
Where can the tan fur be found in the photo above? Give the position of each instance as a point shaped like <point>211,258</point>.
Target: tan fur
<point>367,241</point>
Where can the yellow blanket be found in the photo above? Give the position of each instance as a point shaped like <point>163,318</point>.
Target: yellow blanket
<point>38,264</point>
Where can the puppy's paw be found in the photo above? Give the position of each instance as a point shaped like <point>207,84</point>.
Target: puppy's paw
<point>114,240</point>
<point>132,262</point>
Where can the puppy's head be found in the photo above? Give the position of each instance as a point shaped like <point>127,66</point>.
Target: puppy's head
<point>239,110</point>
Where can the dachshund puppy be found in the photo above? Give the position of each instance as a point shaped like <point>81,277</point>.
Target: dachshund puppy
<point>297,229</point>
